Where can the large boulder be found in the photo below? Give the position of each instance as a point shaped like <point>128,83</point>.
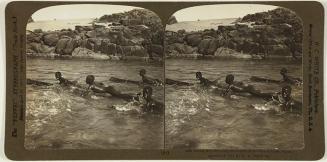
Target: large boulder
<point>193,39</point>
<point>230,53</point>
<point>51,39</point>
<point>209,32</point>
<point>226,28</point>
<point>90,34</point>
<point>66,46</point>
<point>182,48</point>
<point>100,32</point>
<point>61,45</point>
<point>241,27</point>
<point>203,46</point>
<point>38,48</point>
<point>89,44</point>
<point>89,54</point>
<point>70,46</point>
<point>66,33</point>
<point>233,34</point>
<point>212,47</point>
<point>174,37</point>
<point>38,31</point>
<point>83,28</point>
<point>33,37</point>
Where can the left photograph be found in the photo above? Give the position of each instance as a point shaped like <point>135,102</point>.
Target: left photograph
<point>94,78</point>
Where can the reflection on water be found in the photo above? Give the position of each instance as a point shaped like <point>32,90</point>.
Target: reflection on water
<point>60,118</point>
<point>196,118</point>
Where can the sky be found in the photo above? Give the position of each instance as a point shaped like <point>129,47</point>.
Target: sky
<point>80,11</point>
<point>219,11</point>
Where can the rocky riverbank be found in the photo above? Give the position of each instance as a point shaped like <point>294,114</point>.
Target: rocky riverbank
<point>132,34</point>
<point>276,33</point>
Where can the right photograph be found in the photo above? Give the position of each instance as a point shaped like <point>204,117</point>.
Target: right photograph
<point>234,78</point>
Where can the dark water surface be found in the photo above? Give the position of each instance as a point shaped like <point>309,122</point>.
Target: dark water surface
<point>202,120</point>
<point>59,118</point>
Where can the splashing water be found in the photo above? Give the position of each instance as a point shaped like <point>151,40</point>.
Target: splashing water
<point>69,118</point>
<point>200,119</point>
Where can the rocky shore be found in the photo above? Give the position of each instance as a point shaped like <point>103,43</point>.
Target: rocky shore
<point>134,34</point>
<point>139,34</point>
<point>276,33</point>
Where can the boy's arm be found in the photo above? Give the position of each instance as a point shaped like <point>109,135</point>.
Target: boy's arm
<point>97,90</point>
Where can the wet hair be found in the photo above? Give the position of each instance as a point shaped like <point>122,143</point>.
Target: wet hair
<point>283,71</point>
<point>58,74</point>
<point>90,79</point>
<point>147,90</point>
<point>229,79</point>
<point>198,74</point>
<point>142,72</point>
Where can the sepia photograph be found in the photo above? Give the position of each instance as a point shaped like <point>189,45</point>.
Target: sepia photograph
<point>233,77</point>
<point>170,80</point>
<point>94,78</point>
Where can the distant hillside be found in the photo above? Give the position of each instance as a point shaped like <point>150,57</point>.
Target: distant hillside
<point>199,25</point>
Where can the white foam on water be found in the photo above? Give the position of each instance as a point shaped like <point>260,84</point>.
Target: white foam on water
<point>128,107</point>
<point>270,106</point>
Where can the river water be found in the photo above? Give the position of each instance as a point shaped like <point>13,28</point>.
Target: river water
<point>201,120</point>
<point>59,118</point>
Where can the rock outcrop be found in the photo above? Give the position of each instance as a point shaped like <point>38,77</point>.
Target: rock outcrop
<point>30,20</point>
<point>138,32</point>
<point>172,20</point>
<point>274,33</point>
